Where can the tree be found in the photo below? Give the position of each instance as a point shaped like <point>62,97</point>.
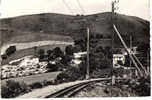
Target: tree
<point>81,43</point>
<point>41,53</point>
<point>76,49</point>
<point>108,52</point>
<point>143,47</point>
<point>10,50</point>
<point>58,52</point>
<point>69,50</point>
<point>99,49</point>
<point>52,67</point>
<point>49,52</point>
<point>35,49</point>
<point>4,56</point>
<point>99,36</point>
<point>66,59</point>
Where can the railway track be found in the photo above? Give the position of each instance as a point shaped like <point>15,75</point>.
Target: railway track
<point>72,90</point>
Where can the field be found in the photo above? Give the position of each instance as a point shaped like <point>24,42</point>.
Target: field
<point>31,51</point>
<point>34,78</point>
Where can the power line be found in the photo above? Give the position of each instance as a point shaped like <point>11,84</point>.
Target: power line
<point>67,6</point>
<point>83,11</point>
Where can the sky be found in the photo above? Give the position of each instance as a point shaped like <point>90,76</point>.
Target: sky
<point>12,8</point>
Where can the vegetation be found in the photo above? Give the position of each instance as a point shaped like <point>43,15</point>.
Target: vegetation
<point>52,67</point>
<point>58,52</point>
<point>142,87</point>
<point>100,61</point>
<point>13,89</point>
<point>59,26</point>
<point>41,53</point>
<point>71,74</point>
<point>4,56</point>
<point>69,50</point>
<point>10,50</point>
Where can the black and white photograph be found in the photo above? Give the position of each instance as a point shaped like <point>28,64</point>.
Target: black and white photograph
<point>75,48</point>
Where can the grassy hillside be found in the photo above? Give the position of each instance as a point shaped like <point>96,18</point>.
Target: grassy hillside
<point>31,51</point>
<point>42,26</point>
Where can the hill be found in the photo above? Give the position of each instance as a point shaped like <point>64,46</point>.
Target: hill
<point>44,26</point>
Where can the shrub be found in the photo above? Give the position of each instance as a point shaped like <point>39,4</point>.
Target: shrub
<point>58,52</point>
<point>4,56</point>
<point>51,67</point>
<point>69,50</point>
<point>36,85</point>
<point>69,75</point>
<point>66,59</point>
<point>41,54</point>
<point>10,50</point>
<point>101,73</point>
<point>46,83</point>
<point>143,87</point>
<point>13,89</point>
<point>49,52</point>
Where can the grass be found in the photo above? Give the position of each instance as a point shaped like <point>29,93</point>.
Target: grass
<point>30,51</point>
<point>34,78</point>
<point>14,88</point>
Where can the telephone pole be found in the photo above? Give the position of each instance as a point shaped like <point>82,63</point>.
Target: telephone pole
<point>88,67</point>
<point>131,48</point>
<point>114,8</point>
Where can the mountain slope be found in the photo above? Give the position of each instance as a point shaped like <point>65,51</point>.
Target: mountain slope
<point>45,26</point>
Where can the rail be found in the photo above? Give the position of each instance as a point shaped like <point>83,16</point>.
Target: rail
<point>72,90</point>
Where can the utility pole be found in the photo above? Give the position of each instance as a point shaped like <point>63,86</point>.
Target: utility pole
<point>130,48</point>
<point>113,22</point>
<point>88,67</point>
<point>148,62</point>
<point>130,75</point>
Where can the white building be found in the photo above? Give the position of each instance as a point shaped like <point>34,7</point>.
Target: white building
<point>79,54</point>
<point>118,57</point>
<point>76,60</point>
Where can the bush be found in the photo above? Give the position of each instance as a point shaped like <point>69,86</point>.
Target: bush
<point>143,87</point>
<point>13,89</point>
<point>46,83</point>
<point>41,84</point>
<point>49,52</point>
<point>57,52</point>
<point>66,59</point>
<point>36,85</point>
<point>4,56</point>
<point>10,50</point>
<point>69,50</point>
<point>69,75</point>
<point>51,67</point>
<point>101,73</point>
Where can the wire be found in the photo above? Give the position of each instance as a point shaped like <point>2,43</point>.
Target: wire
<point>83,11</point>
<point>68,6</point>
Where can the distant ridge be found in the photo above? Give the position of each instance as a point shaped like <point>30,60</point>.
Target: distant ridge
<point>48,26</point>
